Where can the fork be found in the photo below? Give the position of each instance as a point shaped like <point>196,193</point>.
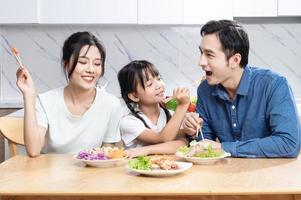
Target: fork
<point>198,129</point>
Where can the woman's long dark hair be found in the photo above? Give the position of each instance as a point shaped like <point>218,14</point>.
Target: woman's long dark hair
<point>130,76</point>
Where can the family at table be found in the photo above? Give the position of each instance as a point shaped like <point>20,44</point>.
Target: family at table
<point>246,111</point>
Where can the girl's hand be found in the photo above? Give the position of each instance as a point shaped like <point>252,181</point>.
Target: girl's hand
<point>182,95</point>
<point>138,151</point>
<point>25,82</point>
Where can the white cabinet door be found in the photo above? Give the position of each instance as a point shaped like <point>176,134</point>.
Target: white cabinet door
<point>201,11</point>
<point>254,8</point>
<point>160,11</point>
<point>88,11</point>
<point>18,11</point>
<point>289,7</point>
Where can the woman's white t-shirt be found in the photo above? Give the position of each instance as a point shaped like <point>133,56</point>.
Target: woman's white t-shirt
<point>67,133</point>
<point>131,127</point>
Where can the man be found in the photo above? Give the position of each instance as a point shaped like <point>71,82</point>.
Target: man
<point>250,111</point>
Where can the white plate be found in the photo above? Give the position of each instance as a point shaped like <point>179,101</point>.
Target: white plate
<point>202,161</point>
<point>183,166</point>
<point>103,163</point>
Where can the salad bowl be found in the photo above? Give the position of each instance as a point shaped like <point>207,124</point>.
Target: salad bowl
<point>201,153</point>
<point>157,166</point>
<point>103,163</point>
<point>204,160</point>
<point>102,157</point>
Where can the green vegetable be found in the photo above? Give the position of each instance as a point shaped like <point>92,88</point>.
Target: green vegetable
<point>141,162</point>
<point>184,150</point>
<point>194,100</point>
<point>209,153</point>
<point>171,104</point>
<point>193,142</point>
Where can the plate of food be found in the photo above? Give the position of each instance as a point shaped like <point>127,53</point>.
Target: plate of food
<point>201,153</point>
<point>157,166</point>
<point>102,157</point>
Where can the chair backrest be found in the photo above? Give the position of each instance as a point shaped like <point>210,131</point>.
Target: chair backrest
<point>11,128</point>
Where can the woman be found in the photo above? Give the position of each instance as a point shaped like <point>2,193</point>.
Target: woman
<point>77,116</point>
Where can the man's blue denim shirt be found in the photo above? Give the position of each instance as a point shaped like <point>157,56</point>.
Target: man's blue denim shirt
<point>261,121</point>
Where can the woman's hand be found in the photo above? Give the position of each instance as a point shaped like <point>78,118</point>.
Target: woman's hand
<point>25,82</point>
<point>182,95</point>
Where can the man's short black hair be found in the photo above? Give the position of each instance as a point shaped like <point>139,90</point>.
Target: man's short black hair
<point>232,36</point>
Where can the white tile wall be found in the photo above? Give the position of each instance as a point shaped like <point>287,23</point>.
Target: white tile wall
<point>173,49</point>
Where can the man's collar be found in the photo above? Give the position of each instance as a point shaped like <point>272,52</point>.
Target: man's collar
<point>244,83</point>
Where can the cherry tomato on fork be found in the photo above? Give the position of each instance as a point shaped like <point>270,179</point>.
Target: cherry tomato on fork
<point>191,108</point>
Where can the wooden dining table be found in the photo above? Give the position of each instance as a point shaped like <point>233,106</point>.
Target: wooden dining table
<point>60,176</point>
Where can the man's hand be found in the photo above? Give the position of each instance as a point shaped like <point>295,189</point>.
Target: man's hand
<point>191,122</point>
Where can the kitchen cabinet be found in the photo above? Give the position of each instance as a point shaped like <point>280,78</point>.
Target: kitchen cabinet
<point>160,11</point>
<point>14,12</point>
<point>182,11</point>
<point>201,11</point>
<point>255,8</point>
<point>289,7</point>
<point>88,11</point>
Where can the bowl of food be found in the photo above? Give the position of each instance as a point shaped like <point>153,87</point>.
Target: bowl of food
<point>201,153</point>
<point>157,166</point>
<point>102,157</point>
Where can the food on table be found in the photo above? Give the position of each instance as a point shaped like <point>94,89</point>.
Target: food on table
<point>102,153</point>
<point>153,163</point>
<point>200,150</point>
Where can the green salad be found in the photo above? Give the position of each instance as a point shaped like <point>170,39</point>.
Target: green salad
<point>183,150</point>
<point>141,162</point>
<point>209,153</point>
<point>200,150</point>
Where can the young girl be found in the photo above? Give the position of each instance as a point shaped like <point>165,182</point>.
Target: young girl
<point>75,117</point>
<point>148,123</point>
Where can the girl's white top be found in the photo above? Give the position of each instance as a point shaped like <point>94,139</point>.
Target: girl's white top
<point>131,127</point>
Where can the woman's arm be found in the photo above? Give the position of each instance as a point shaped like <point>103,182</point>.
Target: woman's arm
<point>34,135</point>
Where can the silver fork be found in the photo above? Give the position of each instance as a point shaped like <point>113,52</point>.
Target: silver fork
<point>198,129</point>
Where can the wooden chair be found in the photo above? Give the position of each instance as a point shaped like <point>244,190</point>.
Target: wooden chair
<point>11,128</point>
